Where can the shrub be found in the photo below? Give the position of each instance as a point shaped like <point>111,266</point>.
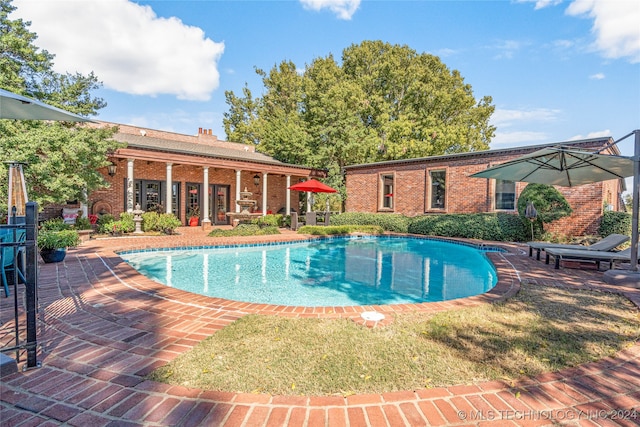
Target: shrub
<point>126,218</point>
<point>271,220</point>
<point>150,221</point>
<point>389,222</point>
<point>319,230</point>
<point>49,239</point>
<point>82,223</point>
<point>501,227</point>
<point>550,205</point>
<point>103,223</point>
<point>124,225</point>
<point>55,224</point>
<point>167,223</point>
<point>245,230</point>
<point>615,223</point>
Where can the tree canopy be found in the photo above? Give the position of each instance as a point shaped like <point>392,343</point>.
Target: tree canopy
<point>61,158</point>
<point>382,102</point>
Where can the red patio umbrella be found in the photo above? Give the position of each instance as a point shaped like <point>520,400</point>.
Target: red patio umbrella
<point>313,186</point>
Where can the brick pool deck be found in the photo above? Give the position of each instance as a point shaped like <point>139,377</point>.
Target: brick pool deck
<point>103,327</point>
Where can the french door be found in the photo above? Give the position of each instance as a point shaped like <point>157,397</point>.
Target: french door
<point>219,201</point>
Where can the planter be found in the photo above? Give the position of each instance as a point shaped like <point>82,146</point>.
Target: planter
<point>53,255</point>
<point>193,221</point>
<point>85,234</point>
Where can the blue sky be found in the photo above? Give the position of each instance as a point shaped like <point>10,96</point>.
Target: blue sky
<point>556,70</point>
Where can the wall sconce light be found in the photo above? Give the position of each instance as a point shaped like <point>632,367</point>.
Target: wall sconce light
<point>256,180</point>
<point>112,169</point>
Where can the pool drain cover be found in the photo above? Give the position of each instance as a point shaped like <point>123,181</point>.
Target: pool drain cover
<point>373,316</point>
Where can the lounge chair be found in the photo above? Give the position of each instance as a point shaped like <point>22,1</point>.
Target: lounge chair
<point>606,244</point>
<point>588,256</point>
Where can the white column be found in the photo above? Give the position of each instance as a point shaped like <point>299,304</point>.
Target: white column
<point>83,206</point>
<point>238,190</point>
<point>264,194</point>
<point>205,202</point>
<point>169,188</point>
<point>130,187</point>
<point>287,208</point>
<point>309,197</point>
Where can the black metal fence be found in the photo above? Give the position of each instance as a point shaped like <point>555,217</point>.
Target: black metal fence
<point>20,269</point>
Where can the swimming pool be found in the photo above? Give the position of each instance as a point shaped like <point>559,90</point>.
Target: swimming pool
<point>343,271</point>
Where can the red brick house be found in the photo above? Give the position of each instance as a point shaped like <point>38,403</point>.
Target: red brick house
<point>441,184</point>
<point>173,173</point>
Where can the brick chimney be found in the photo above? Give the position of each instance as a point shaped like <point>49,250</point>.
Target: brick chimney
<point>206,136</point>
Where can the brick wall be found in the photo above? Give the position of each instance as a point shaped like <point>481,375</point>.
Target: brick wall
<point>469,195</point>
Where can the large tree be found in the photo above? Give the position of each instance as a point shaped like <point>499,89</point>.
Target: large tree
<point>383,102</point>
<point>61,158</point>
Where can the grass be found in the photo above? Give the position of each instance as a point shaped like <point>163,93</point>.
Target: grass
<point>540,330</point>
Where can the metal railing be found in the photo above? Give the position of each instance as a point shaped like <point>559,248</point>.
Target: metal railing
<point>24,258</point>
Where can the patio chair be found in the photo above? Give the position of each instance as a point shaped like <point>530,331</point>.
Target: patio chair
<point>606,244</point>
<point>588,256</point>
<point>7,258</point>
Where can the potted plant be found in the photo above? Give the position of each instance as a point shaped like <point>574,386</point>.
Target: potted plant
<point>194,215</point>
<point>53,244</point>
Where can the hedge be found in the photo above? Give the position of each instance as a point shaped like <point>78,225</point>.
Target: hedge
<point>388,222</point>
<point>615,223</point>
<point>500,227</point>
<point>331,230</point>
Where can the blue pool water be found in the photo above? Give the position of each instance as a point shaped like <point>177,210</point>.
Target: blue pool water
<point>332,272</point>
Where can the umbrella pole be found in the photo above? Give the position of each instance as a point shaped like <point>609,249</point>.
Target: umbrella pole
<point>635,203</point>
<point>631,276</point>
<point>532,239</point>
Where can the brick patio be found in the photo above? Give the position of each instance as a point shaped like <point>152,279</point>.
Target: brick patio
<point>103,327</point>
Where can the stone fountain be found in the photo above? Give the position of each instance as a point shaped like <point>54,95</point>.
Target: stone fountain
<point>245,203</point>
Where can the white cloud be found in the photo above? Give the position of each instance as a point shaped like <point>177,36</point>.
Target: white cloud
<point>508,121</point>
<point>518,138</point>
<point>508,48</point>
<point>615,26</point>
<point>597,76</point>
<point>344,9</point>
<point>507,118</point>
<point>446,52</point>
<point>541,4</point>
<point>128,47</point>
<point>594,134</point>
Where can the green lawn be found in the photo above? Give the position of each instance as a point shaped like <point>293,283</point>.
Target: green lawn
<point>541,329</point>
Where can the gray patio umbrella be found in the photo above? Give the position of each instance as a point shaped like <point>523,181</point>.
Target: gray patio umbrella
<point>569,167</point>
<point>14,106</point>
<point>562,166</point>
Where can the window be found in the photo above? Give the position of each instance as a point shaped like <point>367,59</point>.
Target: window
<point>505,195</point>
<point>438,189</point>
<point>386,196</point>
<point>193,198</point>
<point>149,195</point>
